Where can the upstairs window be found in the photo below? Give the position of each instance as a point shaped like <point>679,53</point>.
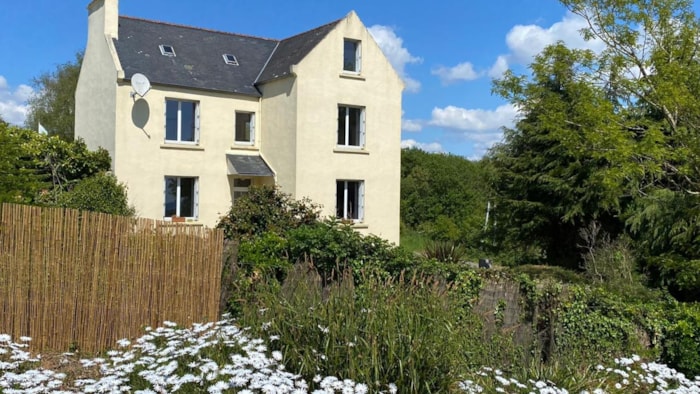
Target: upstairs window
<point>181,197</point>
<point>351,126</point>
<point>181,121</point>
<point>167,50</point>
<point>351,56</point>
<point>245,128</point>
<point>350,196</point>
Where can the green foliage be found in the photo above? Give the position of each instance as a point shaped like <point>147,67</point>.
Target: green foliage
<point>666,226</point>
<point>443,196</point>
<point>593,325</point>
<point>405,331</point>
<point>333,247</point>
<point>98,193</point>
<point>19,183</point>
<point>598,142</point>
<point>553,172</point>
<point>264,255</point>
<point>54,104</point>
<point>445,251</point>
<point>682,340</point>
<point>41,168</point>
<point>266,209</point>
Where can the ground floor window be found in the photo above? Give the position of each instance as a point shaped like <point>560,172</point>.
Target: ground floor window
<point>241,187</point>
<point>350,197</point>
<point>181,196</point>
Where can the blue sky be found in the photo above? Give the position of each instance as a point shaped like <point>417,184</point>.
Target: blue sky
<point>447,52</point>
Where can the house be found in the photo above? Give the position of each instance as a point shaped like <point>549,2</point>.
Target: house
<point>318,114</point>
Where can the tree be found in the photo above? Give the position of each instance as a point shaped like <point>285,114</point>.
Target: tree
<point>444,196</point>
<point>611,137</point>
<point>652,61</point>
<point>565,163</point>
<point>19,183</point>
<point>54,104</point>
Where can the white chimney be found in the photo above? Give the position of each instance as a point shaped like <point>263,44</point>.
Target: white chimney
<point>103,18</point>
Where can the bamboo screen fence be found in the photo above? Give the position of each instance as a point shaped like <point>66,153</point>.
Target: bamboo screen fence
<point>83,280</point>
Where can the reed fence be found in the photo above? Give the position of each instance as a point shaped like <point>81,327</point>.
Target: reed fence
<point>83,280</point>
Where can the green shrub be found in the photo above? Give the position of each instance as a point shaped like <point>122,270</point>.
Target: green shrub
<point>682,340</point>
<point>98,193</point>
<point>333,247</point>
<point>445,251</point>
<point>266,209</point>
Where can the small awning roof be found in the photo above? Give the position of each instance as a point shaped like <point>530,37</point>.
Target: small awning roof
<point>247,165</point>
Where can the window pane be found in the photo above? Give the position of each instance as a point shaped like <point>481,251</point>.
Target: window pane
<point>350,56</point>
<point>171,108</point>
<point>188,112</point>
<point>341,125</point>
<point>243,127</point>
<point>354,126</point>
<point>187,197</point>
<point>339,199</point>
<point>170,196</point>
<point>353,200</point>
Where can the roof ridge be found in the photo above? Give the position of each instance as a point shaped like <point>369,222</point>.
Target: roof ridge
<point>198,28</point>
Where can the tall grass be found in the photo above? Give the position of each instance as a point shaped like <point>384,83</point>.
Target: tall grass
<point>411,332</point>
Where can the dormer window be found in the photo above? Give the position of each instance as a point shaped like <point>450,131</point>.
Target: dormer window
<point>230,59</point>
<point>167,50</point>
<point>351,56</point>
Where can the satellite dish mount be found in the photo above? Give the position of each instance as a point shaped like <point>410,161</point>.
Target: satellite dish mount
<point>140,84</point>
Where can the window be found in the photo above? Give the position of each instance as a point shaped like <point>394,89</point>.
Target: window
<point>241,187</point>
<point>350,196</point>
<point>230,59</point>
<point>181,121</point>
<point>351,126</point>
<point>167,50</point>
<point>351,56</point>
<point>181,197</point>
<point>245,128</point>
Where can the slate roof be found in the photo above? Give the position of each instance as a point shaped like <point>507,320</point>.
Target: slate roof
<point>292,50</point>
<point>198,62</point>
<point>248,165</point>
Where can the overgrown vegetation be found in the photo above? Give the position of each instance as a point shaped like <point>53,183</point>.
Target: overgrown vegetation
<point>347,305</point>
<point>46,170</point>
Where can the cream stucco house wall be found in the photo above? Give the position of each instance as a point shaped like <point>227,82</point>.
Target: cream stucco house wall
<point>317,114</point>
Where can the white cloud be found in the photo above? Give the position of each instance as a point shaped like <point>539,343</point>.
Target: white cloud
<point>461,72</point>
<point>526,41</point>
<point>411,125</point>
<point>399,57</point>
<point>433,147</point>
<point>499,67</point>
<point>13,104</point>
<point>452,117</point>
<point>481,127</point>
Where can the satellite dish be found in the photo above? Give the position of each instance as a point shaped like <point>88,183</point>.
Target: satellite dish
<point>141,84</point>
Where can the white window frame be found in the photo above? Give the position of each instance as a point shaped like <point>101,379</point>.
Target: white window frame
<point>230,59</point>
<point>347,131</point>
<point>178,196</point>
<point>179,140</point>
<point>252,129</point>
<point>346,204</point>
<point>167,50</point>
<point>358,56</point>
